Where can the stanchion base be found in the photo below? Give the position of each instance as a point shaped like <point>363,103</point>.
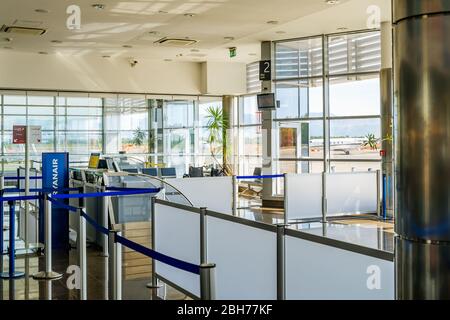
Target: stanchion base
<point>150,285</point>
<point>15,275</point>
<point>44,275</point>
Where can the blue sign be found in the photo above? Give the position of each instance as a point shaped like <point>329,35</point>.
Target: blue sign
<point>55,176</point>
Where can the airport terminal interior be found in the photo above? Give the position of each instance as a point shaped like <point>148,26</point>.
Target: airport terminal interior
<point>225,150</point>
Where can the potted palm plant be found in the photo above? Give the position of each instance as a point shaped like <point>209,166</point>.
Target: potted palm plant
<point>217,126</point>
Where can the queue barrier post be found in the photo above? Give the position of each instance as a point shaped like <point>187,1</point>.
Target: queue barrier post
<point>154,281</point>
<point>115,266</point>
<point>281,259</point>
<point>82,258</point>
<point>208,281</point>
<point>2,249</point>
<point>235,187</point>
<point>105,219</point>
<point>379,196</point>
<point>12,274</point>
<point>48,273</point>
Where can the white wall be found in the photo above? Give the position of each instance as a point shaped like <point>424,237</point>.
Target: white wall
<point>224,78</point>
<point>57,72</point>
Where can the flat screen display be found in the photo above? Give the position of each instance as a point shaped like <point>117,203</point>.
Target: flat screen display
<point>266,101</point>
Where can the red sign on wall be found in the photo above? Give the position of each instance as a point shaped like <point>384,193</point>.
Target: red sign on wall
<point>19,134</point>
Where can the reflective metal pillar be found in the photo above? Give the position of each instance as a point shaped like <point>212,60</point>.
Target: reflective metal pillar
<point>422,102</point>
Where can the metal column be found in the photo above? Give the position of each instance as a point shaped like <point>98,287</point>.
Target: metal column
<point>422,117</point>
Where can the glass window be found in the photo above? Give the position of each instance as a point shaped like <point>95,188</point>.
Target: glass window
<point>15,100</point>
<point>40,101</point>
<point>179,114</point>
<point>249,113</point>
<point>355,97</point>
<point>358,52</point>
<point>299,59</point>
<point>14,110</point>
<point>300,99</point>
<point>204,106</point>
<point>356,138</point>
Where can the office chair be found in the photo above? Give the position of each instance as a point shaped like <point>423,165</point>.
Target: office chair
<point>196,172</point>
<point>150,171</point>
<point>168,173</point>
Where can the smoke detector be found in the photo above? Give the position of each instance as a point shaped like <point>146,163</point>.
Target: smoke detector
<point>176,42</point>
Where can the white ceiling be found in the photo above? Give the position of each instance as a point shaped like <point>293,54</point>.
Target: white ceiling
<point>129,23</point>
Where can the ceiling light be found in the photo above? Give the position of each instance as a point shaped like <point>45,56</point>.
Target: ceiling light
<point>229,38</point>
<point>273,22</point>
<point>167,60</point>
<point>41,11</point>
<point>342,28</point>
<point>179,55</point>
<point>43,52</point>
<point>252,54</point>
<point>8,48</point>
<point>56,41</point>
<point>162,12</point>
<point>153,32</point>
<point>8,39</point>
<point>332,1</point>
<point>195,50</point>
<point>280,32</point>
<point>98,6</point>
<point>190,15</point>
<point>106,56</point>
<point>127,46</point>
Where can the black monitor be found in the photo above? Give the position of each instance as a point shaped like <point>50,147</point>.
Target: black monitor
<point>266,101</point>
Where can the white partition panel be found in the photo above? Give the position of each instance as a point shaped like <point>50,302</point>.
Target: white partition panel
<point>246,260</point>
<point>320,272</point>
<point>177,234</point>
<point>303,196</point>
<point>214,193</point>
<point>349,193</point>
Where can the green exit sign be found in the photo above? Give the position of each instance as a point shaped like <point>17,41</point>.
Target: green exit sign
<point>233,52</point>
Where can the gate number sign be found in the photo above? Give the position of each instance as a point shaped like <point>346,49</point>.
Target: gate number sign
<point>265,70</point>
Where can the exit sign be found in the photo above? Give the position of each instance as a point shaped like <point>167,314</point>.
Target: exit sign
<point>233,52</point>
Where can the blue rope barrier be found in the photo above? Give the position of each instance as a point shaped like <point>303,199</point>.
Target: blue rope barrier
<point>179,264</point>
<point>4,199</point>
<point>94,223</point>
<point>33,190</point>
<point>128,189</point>
<point>63,205</point>
<point>105,194</point>
<point>23,178</point>
<point>260,177</point>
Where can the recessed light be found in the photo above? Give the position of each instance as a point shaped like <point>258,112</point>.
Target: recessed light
<point>273,22</point>
<point>153,33</point>
<point>179,55</point>
<point>43,52</point>
<point>41,11</point>
<point>167,60</point>
<point>8,39</point>
<point>195,50</point>
<point>332,1</point>
<point>229,38</point>
<point>342,28</point>
<point>8,48</point>
<point>127,46</point>
<point>162,12</point>
<point>280,32</point>
<point>190,15</point>
<point>56,41</point>
<point>98,6</point>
